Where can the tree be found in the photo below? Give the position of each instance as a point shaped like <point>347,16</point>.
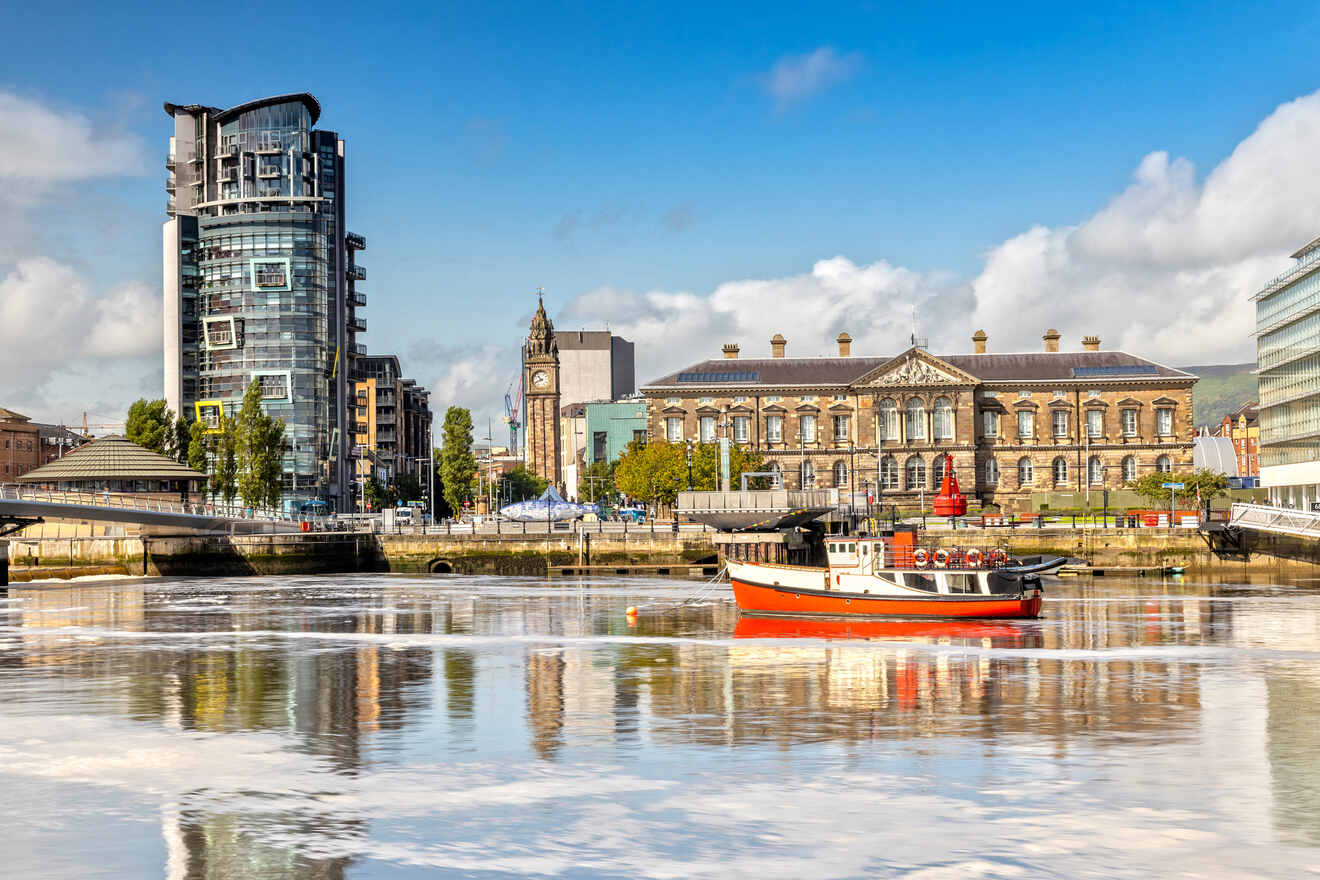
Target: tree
<point>457,463</point>
<point>407,488</point>
<point>259,446</point>
<point>519,484</point>
<point>441,503</point>
<point>180,440</point>
<point>706,467</point>
<point>200,449</point>
<point>224,481</point>
<point>597,484</point>
<point>379,495</point>
<point>1151,486</point>
<point>149,425</point>
<point>653,472</point>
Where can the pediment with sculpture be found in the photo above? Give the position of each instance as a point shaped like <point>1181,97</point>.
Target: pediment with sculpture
<point>916,368</point>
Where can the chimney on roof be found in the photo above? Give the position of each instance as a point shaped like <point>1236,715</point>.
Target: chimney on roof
<point>1090,343</point>
<point>978,341</point>
<point>1051,338</point>
<point>845,344</point>
<point>731,350</point>
<point>777,345</point>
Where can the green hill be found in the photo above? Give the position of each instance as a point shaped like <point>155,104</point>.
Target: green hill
<point>1223,388</point>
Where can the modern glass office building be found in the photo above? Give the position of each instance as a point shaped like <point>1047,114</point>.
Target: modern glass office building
<point>260,280</point>
<point>1288,373</point>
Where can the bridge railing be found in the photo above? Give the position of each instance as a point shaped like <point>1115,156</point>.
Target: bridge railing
<point>15,492</point>
<point>1283,520</point>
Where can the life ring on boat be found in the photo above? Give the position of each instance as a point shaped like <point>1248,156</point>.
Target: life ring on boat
<point>999,556</point>
<point>305,526</point>
<point>974,557</point>
<point>941,558</point>
<point>920,557</point>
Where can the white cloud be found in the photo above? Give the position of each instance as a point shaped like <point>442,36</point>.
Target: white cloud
<point>795,78</point>
<point>42,144</point>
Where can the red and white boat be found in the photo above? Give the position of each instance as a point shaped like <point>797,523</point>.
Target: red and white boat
<point>888,577</point>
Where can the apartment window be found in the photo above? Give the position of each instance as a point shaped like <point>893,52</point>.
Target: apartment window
<point>888,419</point>
<point>916,419</point>
<point>741,432</point>
<point>1093,394</point>
<point>1060,423</point>
<point>674,429</point>
<point>1164,465</point>
<point>1129,469</point>
<point>1026,472</point>
<point>706,400</point>
<point>937,472</point>
<point>808,475</point>
<point>1059,394</point>
<point>672,400</point>
<point>1095,422</point>
<point>1129,422</point>
<point>742,398</point>
<point>1164,422</point>
<point>1060,468</point>
<point>942,423</point>
<point>639,436</point>
<point>840,427</point>
<point>1023,394</point>
<point>991,472</point>
<point>1095,471</point>
<point>888,472</point>
<point>991,395</point>
<point>807,427</point>
<point>773,398</point>
<point>840,473</point>
<point>1026,424</point>
<point>707,429</point>
<point>840,397</point>
<point>989,424</point>
<point>598,442</point>
<point>916,473</point>
<point>774,429</point>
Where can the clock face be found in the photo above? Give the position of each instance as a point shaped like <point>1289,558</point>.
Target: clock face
<point>540,379</point>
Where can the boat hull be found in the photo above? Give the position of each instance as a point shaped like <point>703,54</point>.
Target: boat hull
<point>795,601</point>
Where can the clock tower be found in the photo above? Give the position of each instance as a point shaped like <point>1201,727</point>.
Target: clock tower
<point>541,379</point>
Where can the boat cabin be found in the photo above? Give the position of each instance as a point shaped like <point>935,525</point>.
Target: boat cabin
<point>855,561</point>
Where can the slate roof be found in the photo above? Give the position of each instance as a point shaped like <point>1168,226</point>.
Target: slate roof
<point>111,458</point>
<point>1025,367</point>
<point>8,415</point>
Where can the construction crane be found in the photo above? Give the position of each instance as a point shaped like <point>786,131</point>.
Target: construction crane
<point>512,409</point>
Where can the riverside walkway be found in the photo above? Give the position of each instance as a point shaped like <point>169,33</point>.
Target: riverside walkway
<point>23,505</point>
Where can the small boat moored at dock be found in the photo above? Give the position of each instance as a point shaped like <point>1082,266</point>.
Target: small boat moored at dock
<point>888,576</point>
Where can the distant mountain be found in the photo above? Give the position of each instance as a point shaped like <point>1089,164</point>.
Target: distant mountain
<point>1223,388</point>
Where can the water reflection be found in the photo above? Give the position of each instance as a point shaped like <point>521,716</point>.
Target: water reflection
<point>366,676</point>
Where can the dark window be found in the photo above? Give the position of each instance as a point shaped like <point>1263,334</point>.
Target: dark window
<point>597,445</point>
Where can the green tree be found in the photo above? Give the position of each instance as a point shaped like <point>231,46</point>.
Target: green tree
<point>654,472</point>
<point>200,449</point>
<point>597,484</point>
<point>224,481</point>
<point>149,425</point>
<point>458,465</point>
<point>180,440</point>
<point>1151,486</point>
<point>379,495</point>
<point>259,448</point>
<point>519,484</point>
<point>407,488</point>
<point>706,467</point>
<point>442,508</point>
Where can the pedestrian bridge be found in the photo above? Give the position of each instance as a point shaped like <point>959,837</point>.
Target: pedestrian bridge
<point>1279,520</point>
<point>23,505</point>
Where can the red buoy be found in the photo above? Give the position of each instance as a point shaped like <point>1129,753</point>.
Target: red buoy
<point>950,502</point>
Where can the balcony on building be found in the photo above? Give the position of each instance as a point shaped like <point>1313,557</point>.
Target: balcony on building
<point>228,175</point>
<point>268,148</point>
<point>226,151</point>
<point>356,272</point>
<point>171,184</point>
<point>360,349</point>
<point>267,172</point>
<point>357,325</point>
<point>355,242</point>
<point>170,162</point>
<point>357,298</point>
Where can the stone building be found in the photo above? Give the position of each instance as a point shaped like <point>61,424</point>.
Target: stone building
<point>20,445</point>
<point>541,381</point>
<point>1013,423</point>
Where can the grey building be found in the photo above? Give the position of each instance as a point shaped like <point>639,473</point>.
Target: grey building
<point>260,279</point>
<point>594,365</point>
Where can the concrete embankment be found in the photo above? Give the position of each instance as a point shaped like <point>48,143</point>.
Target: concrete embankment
<point>219,555</point>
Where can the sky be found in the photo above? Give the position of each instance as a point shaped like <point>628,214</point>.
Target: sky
<point>684,174</point>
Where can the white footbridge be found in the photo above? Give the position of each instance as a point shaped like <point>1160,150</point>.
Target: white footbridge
<point>1279,520</point>
<point>24,505</point>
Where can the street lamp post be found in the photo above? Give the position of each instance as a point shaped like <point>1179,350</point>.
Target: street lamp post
<point>688,456</point>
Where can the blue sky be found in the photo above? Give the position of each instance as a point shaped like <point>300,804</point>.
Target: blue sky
<point>644,148</point>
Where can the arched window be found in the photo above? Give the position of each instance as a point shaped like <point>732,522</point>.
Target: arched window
<point>888,419</point>
<point>916,473</point>
<point>943,420</point>
<point>888,472</point>
<point>1060,468</point>
<point>937,472</point>
<point>1026,473</point>
<point>808,475</point>
<point>841,473</point>
<point>916,419</point>
<point>1164,465</point>
<point>777,481</point>
<point>991,472</point>
<point>1129,469</point>
<point>1095,472</point>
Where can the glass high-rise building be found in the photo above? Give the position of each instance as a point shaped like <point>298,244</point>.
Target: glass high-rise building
<point>1288,376</point>
<point>260,280</point>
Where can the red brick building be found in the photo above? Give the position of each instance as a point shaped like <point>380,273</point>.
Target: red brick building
<point>20,445</point>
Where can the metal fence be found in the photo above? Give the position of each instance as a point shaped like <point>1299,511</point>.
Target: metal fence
<point>1281,520</point>
<point>113,501</point>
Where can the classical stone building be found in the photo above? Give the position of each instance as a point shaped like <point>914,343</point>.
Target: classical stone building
<point>541,381</point>
<point>1013,423</point>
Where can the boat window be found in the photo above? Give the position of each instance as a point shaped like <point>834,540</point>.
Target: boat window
<point>961,583</point>
<point>834,548</point>
<point>852,548</point>
<point>919,581</point>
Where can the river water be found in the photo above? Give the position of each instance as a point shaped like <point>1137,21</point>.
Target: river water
<point>385,726</point>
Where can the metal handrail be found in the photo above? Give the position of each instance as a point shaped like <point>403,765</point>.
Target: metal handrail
<point>1281,520</point>
<point>16,492</point>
